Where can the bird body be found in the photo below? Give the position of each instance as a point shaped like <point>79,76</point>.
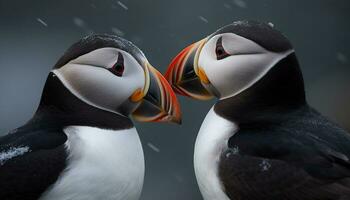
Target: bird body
<point>301,156</point>
<point>85,159</point>
<point>81,142</point>
<point>32,158</point>
<point>261,140</point>
<point>288,159</point>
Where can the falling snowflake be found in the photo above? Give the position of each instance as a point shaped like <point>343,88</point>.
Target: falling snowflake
<point>82,24</point>
<point>93,5</point>
<point>203,19</point>
<point>179,178</point>
<point>271,24</point>
<point>153,147</point>
<point>342,58</point>
<point>265,165</point>
<point>232,151</point>
<point>240,3</point>
<point>122,5</point>
<point>78,22</point>
<point>117,31</point>
<point>228,6</point>
<point>136,39</point>
<point>41,22</point>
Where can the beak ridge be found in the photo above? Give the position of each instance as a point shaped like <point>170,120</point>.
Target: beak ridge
<point>184,75</point>
<point>159,103</point>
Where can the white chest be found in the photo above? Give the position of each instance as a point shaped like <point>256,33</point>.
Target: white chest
<point>211,141</point>
<point>102,164</point>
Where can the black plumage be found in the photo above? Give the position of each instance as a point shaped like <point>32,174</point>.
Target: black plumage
<point>26,175</point>
<point>258,32</point>
<point>96,41</point>
<point>299,156</point>
<point>284,149</point>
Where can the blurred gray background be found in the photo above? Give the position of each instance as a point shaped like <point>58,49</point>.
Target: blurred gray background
<point>35,33</point>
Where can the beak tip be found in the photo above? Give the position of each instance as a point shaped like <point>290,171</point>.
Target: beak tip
<point>174,118</point>
<point>177,121</point>
<point>183,77</point>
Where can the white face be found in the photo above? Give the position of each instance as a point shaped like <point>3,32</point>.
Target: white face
<point>243,64</point>
<point>104,78</point>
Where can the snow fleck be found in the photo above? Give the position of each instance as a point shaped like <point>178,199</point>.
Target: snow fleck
<point>79,22</point>
<point>11,153</point>
<point>235,150</point>
<point>265,165</point>
<point>241,23</point>
<point>179,178</point>
<point>232,151</point>
<point>228,6</point>
<point>122,5</point>
<point>136,39</point>
<point>153,147</point>
<point>93,5</point>
<point>117,31</point>
<point>342,58</point>
<point>203,19</point>
<point>41,22</point>
<point>82,24</point>
<point>240,3</point>
<point>271,24</point>
<point>13,131</point>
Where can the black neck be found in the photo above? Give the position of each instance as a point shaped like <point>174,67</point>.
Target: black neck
<point>281,90</point>
<point>59,107</point>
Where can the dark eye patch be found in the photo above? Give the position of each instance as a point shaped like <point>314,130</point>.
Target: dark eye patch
<point>118,67</point>
<point>220,50</point>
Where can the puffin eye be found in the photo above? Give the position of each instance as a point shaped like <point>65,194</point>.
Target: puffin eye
<point>118,67</point>
<point>220,51</point>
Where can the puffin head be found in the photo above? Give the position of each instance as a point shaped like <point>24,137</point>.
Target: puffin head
<point>230,61</point>
<point>110,74</point>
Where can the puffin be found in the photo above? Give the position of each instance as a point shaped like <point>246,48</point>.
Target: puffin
<point>261,140</point>
<point>81,142</point>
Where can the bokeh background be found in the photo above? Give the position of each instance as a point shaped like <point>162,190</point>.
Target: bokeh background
<point>35,33</point>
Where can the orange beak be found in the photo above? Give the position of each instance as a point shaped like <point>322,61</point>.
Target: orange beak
<point>185,76</point>
<point>158,100</point>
